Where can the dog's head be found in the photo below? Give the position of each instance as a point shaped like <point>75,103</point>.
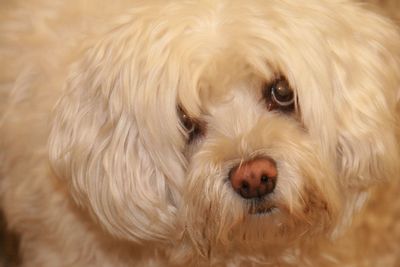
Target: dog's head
<point>252,122</point>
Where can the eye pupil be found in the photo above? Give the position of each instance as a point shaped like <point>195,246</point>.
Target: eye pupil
<point>279,95</point>
<point>187,122</point>
<point>282,91</point>
<point>192,127</point>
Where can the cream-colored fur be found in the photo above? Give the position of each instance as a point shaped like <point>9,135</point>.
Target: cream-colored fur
<point>96,167</point>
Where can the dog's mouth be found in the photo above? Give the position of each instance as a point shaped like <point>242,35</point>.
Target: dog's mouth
<point>261,207</point>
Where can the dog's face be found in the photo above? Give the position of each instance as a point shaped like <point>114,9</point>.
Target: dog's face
<point>235,123</point>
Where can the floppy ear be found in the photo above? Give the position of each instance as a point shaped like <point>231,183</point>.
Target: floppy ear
<point>366,67</point>
<point>115,135</point>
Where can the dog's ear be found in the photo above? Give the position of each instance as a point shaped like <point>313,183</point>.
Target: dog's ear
<point>115,136</point>
<point>366,91</point>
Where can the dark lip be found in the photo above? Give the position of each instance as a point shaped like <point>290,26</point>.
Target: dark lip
<point>259,209</point>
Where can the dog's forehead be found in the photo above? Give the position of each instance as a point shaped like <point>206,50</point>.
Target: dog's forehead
<point>220,32</point>
<point>224,44</point>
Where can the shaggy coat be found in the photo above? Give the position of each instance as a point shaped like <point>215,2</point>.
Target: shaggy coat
<point>122,123</point>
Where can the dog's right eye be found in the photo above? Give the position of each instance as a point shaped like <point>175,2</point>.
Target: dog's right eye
<point>194,128</point>
<point>279,95</point>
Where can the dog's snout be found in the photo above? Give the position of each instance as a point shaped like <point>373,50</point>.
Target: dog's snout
<point>255,178</point>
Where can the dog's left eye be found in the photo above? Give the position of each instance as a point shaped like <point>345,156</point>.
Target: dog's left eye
<point>279,95</point>
<point>193,127</point>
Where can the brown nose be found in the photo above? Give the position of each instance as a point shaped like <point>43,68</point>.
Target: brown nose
<point>255,178</point>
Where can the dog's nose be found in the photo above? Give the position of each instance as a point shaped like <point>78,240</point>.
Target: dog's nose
<point>255,178</point>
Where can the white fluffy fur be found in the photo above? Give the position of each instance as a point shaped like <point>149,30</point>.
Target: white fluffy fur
<point>99,82</point>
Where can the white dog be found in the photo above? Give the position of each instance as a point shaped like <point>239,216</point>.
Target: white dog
<point>200,133</point>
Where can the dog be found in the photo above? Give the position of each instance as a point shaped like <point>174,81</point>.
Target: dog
<point>200,133</point>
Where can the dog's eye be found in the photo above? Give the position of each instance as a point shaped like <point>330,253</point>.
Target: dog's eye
<point>279,95</point>
<point>193,127</point>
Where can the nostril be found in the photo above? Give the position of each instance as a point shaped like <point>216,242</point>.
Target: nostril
<point>264,179</point>
<point>245,186</point>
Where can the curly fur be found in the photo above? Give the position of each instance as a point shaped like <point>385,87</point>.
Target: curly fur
<point>96,167</point>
